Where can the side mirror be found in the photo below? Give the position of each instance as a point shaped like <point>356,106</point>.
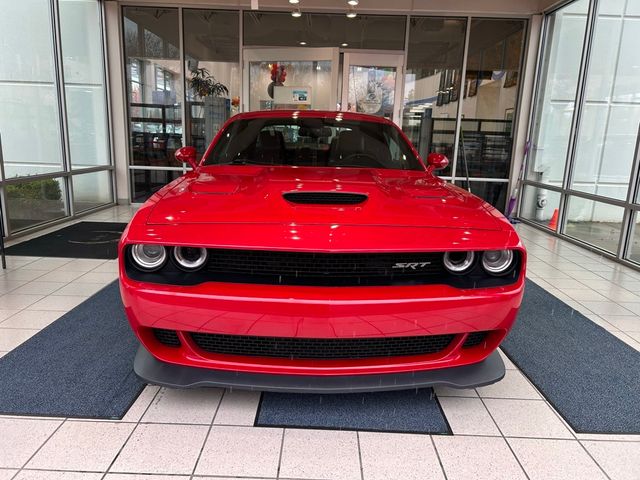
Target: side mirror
<point>187,155</point>
<point>437,161</point>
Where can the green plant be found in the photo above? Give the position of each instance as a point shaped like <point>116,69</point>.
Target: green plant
<point>36,190</point>
<point>204,84</point>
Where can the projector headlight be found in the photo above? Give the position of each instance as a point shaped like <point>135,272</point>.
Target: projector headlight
<point>458,262</point>
<point>190,258</point>
<point>148,257</point>
<point>497,262</point>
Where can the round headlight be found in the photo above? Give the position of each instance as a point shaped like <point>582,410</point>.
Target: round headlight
<point>190,258</point>
<point>148,257</point>
<point>497,262</point>
<point>458,262</point>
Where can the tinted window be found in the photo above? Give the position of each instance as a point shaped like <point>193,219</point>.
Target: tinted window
<point>313,142</point>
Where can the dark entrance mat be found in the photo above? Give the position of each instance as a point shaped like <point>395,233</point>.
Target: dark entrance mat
<point>589,376</point>
<point>80,240</point>
<point>409,411</point>
<point>79,366</point>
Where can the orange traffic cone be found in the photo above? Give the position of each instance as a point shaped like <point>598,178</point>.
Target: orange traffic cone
<point>553,223</point>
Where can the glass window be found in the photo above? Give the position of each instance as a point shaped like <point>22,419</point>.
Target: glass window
<point>32,203</point>
<point>494,193</point>
<point>145,183</point>
<point>595,223</point>
<point>308,85</point>
<point>151,42</point>
<point>371,90</point>
<point>611,113</point>
<point>491,91</point>
<point>541,206</point>
<point>29,113</point>
<point>91,190</point>
<point>556,96</point>
<point>280,29</point>
<point>432,84</point>
<point>324,142</point>
<point>634,247</point>
<point>84,82</point>
<point>211,40</point>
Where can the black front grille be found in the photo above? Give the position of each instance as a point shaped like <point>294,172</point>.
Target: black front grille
<point>167,337</point>
<point>336,269</point>
<point>320,348</point>
<point>325,198</point>
<point>474,339</point>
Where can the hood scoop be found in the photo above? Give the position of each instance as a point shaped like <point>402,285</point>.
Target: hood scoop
<point>325,198</point>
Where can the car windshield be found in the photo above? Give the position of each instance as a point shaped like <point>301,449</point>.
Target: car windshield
<point>313,142</point>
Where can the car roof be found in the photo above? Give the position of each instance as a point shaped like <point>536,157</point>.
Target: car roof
<point>360,117</point>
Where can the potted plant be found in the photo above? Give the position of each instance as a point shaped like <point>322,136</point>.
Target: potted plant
<point>212,93</point>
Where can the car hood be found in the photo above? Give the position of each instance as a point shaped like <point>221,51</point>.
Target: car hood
<point>252,194</point>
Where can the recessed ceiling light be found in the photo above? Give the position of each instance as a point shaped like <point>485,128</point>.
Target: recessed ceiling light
<point>296,13</point>
<point>351,13</point>
<point>303,43</point>
<point>295,2</point>
<point>353,3</point>
<point>344,44</point>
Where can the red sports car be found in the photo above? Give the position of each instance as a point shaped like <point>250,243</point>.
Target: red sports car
<point>315,251</point>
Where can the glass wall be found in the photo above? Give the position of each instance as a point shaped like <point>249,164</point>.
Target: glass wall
<point>583,164</point>
<point>53,120</point>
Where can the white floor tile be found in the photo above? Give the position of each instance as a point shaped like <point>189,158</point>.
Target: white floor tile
<point>55,475</point>
<point>468,416</point>
<point>241,451</point>
<point>61,303</point>
<point>477,458</point>
<point>620,460</point>
<point>152,448</point>
<point>10,338</point>
<point>197,406</point>
<point>99,277</point>
<point>133,476</point>
<point>606,308</point>
<point>513,385</point>
<point>7,474</point>
<point>409,457</point>
<point>77,288</point>
<point>73,446</point>
<point>39,288</point>
<point>33,319</point>
<point>320,454</point>
<point>139,407</point>
<point>555,459</point>
<point>11,301</point>
<point>455,392</point>
<point>626,323</point>
<point>20,438</point>
<point>60,276</point>
<point>526,418</point>
<point>82,265</point>
<point>238,407</point>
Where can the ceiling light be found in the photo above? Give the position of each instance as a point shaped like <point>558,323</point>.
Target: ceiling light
<point>353,3</point>
<point>344,44</point>
<point>303,43</point>
<point>351,13</point>
<point>296,13</point>
<point>294,2</point>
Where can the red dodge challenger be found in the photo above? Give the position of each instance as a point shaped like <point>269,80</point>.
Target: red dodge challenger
<point>315,251</point>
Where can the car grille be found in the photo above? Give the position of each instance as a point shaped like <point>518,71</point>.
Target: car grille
<point>320,348</point>
<point>167,337</point>
<point>474,339</point>
<point>325,198</point>
<point>323,269</point>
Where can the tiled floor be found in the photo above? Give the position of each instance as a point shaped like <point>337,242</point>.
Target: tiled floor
<point>507,431</point>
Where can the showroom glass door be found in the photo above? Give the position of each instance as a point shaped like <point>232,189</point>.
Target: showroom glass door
<point>371,83</point>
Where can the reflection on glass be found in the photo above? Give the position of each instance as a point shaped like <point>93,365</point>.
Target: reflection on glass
<point>611,112</point>
<point>541,206</point>
<point>490,93</point>
<point>280,29</point>
<point>634,247</point>
<point>84,82</point>
<point>595,223</point>
<point>372,90</point>
<point>91,190</point>
<point>556,96</point>
<point>432,84</point>
<point>154,84</point>
<point>32,203</point>
<point>145,183</point>
<point>211,40</point>
<point>279,84</point>
<point>29,115</point>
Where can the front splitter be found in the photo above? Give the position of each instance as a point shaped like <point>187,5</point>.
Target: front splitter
<point>153,371</point>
